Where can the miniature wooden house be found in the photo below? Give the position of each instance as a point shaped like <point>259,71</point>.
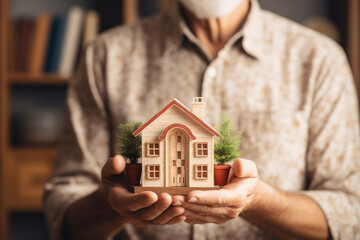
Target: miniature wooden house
<point>177,149</point>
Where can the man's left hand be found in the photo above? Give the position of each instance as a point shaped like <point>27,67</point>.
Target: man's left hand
<point>221,206</point>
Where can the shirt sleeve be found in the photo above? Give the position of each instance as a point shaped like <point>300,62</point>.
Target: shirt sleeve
<point>333,157</point>
<point>85,142</point>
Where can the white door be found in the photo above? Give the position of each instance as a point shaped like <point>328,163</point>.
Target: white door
<point>177,156</point>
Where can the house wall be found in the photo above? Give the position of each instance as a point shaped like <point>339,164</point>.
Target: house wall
<point>152,133</point>
<point>152,160</point>
<point>208,160</point>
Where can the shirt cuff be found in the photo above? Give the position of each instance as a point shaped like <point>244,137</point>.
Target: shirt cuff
<point>341,210</point>
<point>57,200</point>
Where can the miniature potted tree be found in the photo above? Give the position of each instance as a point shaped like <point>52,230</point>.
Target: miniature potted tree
<point>130,149</point>
<point>226,149</point>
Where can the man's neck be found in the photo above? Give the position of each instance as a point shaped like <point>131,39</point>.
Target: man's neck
<point>214,33</point>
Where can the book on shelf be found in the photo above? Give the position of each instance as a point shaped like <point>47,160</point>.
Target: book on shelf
<point>11,63</point>
<point>55,44</point>
<point>50,43</point>
<point>22,34</point>
<point>38,48</point>
<point>91,27</point>
<point>70,49</point>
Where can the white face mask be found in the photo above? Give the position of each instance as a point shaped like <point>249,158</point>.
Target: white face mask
<point>205,9</point>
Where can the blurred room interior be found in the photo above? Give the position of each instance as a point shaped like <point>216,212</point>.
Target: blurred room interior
<point>38,55</point>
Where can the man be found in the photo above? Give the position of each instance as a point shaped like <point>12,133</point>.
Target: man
<point>290,91</point>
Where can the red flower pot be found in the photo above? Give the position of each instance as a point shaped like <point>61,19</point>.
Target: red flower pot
<point>221,173</point>
<point>133,172</point>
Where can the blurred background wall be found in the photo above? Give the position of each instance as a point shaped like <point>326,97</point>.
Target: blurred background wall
<point>33,88</point>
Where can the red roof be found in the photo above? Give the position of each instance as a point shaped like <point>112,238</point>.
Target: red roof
<point>177,103</point>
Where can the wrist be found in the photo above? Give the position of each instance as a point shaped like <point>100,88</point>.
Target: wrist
<point>101,195</point>
<point>260,199</point>
<point>100,198</point>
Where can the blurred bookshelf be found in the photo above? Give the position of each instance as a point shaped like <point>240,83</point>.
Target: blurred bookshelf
<point>40,45</point>
<point>28,78</point>
<point>31,98</point>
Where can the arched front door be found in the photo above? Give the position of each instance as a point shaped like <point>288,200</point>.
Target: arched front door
<point>178,157</point>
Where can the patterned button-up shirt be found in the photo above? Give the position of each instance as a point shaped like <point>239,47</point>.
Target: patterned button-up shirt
<point>289,89</point>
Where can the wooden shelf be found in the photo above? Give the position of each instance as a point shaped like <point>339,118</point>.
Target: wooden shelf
<point>29,150</point>
<point>24,170</point>
<point>46,79</point>
<point>28,170</point>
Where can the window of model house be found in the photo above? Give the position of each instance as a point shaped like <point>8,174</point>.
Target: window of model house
<point>153,172</point>
<point>201,149</point>
<point>153,150</point>
<point>201,172</point>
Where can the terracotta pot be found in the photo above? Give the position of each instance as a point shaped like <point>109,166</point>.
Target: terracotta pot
<point>221,173</point>
<point>133,172</point>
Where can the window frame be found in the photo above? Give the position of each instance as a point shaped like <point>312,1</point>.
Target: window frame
<point>202,149</point>
<point>202,171</point>
<point>148,171</point>
<point>148,149</point>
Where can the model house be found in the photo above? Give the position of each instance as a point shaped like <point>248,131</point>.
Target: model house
<point>178,147</point>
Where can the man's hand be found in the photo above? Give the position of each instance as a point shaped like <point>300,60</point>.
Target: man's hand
<point>220,206</point>
<point>139,209</point>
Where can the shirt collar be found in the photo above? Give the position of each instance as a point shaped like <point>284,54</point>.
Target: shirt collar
<point>175,29</point>
<point>253,31</point>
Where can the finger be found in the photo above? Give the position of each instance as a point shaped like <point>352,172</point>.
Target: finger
<point>113,166</point>
<point>221,212</point>
<point>211,197</point>
<point>121,199</point>
<point>153,211</point>
<point>231,175</point>
<point>168,215</point>
<point>231,195</point>
<point>195,218</point>
<point>244,168</point>
<point>175,220</point>
<point>177,200</point>
<point>137,222</point>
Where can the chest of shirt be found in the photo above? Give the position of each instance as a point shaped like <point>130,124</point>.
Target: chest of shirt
<point>266,101</point>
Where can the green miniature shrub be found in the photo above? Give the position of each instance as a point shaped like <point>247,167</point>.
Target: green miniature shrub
<point>130,146</point>
<point>227,145</point>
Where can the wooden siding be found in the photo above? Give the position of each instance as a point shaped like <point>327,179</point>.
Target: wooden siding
<point>151,134</point>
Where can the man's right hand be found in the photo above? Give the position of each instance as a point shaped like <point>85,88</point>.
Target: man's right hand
<point>139,209</point>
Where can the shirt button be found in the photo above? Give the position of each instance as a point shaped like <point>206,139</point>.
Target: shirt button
<point>211,72</point>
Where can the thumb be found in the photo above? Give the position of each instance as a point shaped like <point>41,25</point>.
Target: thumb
<point>243,168</point>
<point>113,166</point>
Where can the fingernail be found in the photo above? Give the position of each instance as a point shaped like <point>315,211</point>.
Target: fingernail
<point>178,203</point>
<point>192,200</point>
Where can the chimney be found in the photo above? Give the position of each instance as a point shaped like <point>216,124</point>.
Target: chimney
<point>198,107</point>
